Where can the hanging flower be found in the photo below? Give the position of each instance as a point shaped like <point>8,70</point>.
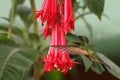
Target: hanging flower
<point>59,19</point>
<point>48,12</point>
<point>56,59</point>
<point>68,16</point>
<point>53,11</point>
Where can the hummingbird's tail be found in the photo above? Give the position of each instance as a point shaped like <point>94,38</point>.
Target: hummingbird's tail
<point>97,59</point>
<point>105,66</point>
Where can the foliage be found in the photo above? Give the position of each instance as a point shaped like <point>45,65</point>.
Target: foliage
<point>15,60</point>
<point>18,54</point>
<point>95,6</point>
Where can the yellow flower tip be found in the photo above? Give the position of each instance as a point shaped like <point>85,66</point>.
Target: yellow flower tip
<point>58,69</point>
<point>55,66</point>
<point>70,68</point>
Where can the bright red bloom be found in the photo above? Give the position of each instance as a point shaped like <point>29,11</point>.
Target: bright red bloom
<point>68,16</point>
<point>47,15</point>
<point>53,11</point>
<point>59,19</point>
<point>56,59</point>
<point>48,12</point>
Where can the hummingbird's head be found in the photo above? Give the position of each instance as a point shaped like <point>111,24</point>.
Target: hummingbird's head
<point>84,39</point>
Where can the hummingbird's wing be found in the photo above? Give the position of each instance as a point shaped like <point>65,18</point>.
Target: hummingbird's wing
<point>75,49</point>
<point>71,49</point>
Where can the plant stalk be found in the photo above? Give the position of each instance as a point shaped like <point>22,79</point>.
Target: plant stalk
<point>37,67</point>
<point>11,20</point>
<point>81,15</point>
<point>32,2</point>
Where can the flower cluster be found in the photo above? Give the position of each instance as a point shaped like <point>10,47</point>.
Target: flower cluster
<point>55,58</point>
<point>53,11</point>
<point>59,19</point>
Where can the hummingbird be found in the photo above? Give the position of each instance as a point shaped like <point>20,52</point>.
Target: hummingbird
<point>81,48</point>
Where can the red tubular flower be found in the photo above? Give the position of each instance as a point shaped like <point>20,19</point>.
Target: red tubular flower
<point>68,16</point>
<point>56,59</point>
<point>59,19</point>
<point>47,12</point>
<point>46,31</point>
<point>52,10</point>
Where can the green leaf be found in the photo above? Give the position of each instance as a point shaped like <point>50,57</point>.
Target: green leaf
<point>95,6</point>
<point>5,18</point>
<point>114,69</point>
<point>15,30</point>
<point>34,40</point>
<point>8,42</point>
<point>18,2</point>
<point>55,75</point>
<point>3,36</point>
<point>33,37</point>
<point>87,63</point>
<point>25,14</point>
<point>15,61</point>
<point>97,68</point>
<point>75,5</point>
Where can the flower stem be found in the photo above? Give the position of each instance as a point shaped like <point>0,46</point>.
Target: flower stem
<point>11,20</point>
<point>37,69</point>
<point>32,2</point>
<point>81,15</point>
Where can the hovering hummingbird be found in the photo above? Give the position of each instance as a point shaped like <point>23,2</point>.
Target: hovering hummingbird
<point>81,48</point>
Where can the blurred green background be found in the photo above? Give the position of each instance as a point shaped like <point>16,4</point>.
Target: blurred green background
<point>105,38</point>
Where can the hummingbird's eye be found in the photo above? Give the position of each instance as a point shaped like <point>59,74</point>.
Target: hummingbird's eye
<point>81,38</point>
<point>85,39</point>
